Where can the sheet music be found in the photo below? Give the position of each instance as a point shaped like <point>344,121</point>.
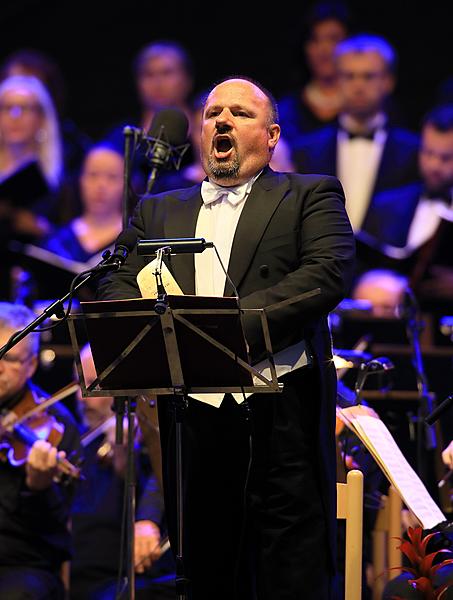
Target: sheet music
<point>50,258</point>
<point>147,282</point>
<point>379,441</point>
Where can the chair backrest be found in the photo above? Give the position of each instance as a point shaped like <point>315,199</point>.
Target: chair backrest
<point>350,508</point>
<point>387,529</point>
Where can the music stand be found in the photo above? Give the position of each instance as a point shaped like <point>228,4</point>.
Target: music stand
<point>172,343</point>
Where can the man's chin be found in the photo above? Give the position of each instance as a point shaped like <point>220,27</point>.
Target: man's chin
<point>224,170</point>
<point>436,189</point>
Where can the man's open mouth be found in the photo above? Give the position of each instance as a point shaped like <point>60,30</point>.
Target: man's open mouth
<point>223,146</point>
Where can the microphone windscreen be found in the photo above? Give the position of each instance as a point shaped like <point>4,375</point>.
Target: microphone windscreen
<point>170,125</point>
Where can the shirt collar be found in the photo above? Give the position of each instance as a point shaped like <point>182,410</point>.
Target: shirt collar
<point>235,194</point>
<point>376,123</point>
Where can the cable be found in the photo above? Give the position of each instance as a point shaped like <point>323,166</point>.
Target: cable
<point>226,273</point>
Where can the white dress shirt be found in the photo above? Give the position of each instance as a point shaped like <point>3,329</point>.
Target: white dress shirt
<point>428,215</point>
<point>217,222</point>
<point>358,161</point>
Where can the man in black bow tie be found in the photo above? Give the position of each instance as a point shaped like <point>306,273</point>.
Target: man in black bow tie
<point>279,235</point>
<point>418,217</point>
<point>364,150</point>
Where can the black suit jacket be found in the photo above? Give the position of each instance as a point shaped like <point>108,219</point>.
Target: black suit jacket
<point>293,235</point>
<point>317,153</point>
<point>389,223</point>
<point>393,213</point>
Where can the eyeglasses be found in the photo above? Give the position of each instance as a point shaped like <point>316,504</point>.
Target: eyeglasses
<point>18,109</point>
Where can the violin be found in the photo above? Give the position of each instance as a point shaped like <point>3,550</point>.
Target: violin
<point>28,422</point>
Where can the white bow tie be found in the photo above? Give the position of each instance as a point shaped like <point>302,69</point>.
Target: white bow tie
<point>211,192</point>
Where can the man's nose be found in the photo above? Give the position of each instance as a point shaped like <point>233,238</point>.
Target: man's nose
<point>16,112</point>
<point>223,119</point>
<point>223,127</point>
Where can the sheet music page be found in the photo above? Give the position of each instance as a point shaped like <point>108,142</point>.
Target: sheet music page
<point>147,282</point>
<point>399,471</point>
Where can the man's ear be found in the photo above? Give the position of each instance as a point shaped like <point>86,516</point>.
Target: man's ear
<point>32,366</point>
<point>274,135</point>
<point>390,83</point>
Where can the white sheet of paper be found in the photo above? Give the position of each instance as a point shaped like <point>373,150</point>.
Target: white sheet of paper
<point>147,282</point>
<point>399,471</point>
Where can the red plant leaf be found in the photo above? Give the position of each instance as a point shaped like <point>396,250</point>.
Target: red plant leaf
<point>422,568</point>
<point>442,589</point>
<point>403,569</point>
<point>408,550</point>
<point>415,535</point>
<point>425,541</point>
<point>424,585</point>
<point>444,563</point>
<point>427,562</point>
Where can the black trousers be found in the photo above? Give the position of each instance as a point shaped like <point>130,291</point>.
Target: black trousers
<point>24,583</point>
<point>269,543</point>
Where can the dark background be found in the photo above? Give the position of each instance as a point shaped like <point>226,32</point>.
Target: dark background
<point>95,41</point>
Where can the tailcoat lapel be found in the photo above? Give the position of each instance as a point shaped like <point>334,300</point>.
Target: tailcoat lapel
<point>267,193</point>
<point>181,222</point>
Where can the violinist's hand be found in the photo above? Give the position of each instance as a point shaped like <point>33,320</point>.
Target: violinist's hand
<point>146,549</point>
<point>41,465</point>
<point>447,455</point>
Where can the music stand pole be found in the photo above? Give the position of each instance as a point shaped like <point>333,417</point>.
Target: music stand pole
<point>128,402</point>
<point>131,484</point>
<point>180,403</point>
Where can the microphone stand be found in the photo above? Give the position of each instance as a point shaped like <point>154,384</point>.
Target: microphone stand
<point>130,133</point>
<point>426,437</point>
<point>57,307</point>
<point>161,302</point>
<point>179,405</point>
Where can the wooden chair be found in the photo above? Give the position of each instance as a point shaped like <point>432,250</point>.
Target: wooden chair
<point>385,546</point>
<point>350,507</point>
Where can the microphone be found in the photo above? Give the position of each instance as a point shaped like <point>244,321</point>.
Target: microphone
<point>168,130</point>
<point>437,412</point>
<point>382,363</point>
<point>124,244</point>
<point>166,140</point>
<point>375,365</point>
<point>176,245</point>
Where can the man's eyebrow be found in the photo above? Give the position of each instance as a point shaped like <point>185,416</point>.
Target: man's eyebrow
<point>232,107</point>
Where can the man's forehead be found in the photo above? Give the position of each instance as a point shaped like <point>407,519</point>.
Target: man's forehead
<point>358,59</point>
<point>236,90</point>
<point>438,142</point>
<point>21,348</point>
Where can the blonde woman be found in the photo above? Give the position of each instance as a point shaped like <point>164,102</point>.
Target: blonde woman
<point>29,132</point>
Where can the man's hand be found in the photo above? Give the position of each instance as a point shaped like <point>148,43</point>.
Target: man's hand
<point>447,455</point>
<point>146,549</point>
<point>358,410</point>
<point>41,465</point>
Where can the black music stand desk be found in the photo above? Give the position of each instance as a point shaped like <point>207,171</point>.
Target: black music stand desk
<point>139,352</point>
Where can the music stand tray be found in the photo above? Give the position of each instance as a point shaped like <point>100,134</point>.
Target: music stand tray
<point>197,346</point>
